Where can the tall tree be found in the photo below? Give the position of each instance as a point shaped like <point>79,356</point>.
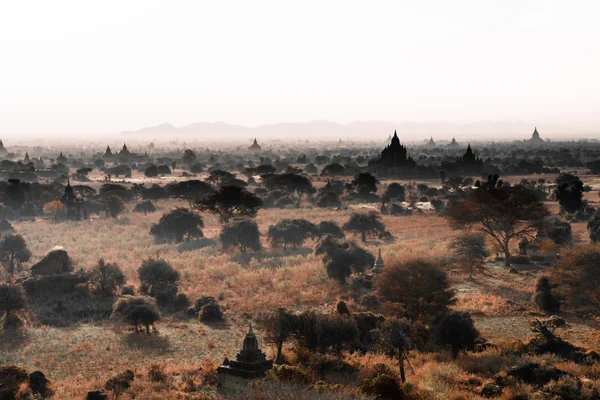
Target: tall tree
<point>502,213</point>
<point>241,232</point>
<point>365,224</point>
<point>13,252</point>
<point>569,192</point>
<point>190,190</point>
<point>394,339</point>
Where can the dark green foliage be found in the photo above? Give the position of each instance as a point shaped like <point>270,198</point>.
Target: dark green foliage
<point>229,202</point>
<point>13,253</point>
<point>12,299</point>
<point>151,171</point>
<point>242,233</point>
<point>330,228</point>
<point>278,326</point>
<point>543,296</point>
<point>144,207</point>
<point>164,170</point>
<point>569,193</point>
<point>154,193</point>
<point>114,205</point>
<point>394,192</point>
<point>190,190</point>
<point>105,278</point>
<point>342,257</point>
<point>593,227</point>
<point>364,183</point>
<point>210,312</point>
<point>334,169</point>
<point>177,225</point>
<point>365,224</point>
<point>291,231</point>
<point>560,232</point>
<point>137,311</point>
<point>158,279</point>
<point>456,330</point>
<point>420,287</point>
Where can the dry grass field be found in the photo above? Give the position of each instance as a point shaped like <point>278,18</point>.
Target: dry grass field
<point>80,358</point>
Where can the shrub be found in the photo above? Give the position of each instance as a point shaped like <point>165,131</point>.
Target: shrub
<point>114,205</point>
<point>325,332</point>
<point>40,385</point>
<point>105,278</point>
<point>560,232</point>
<point>158,276</point>
<point>210,312</point>
<point>330,228</point>
<point>365,224</point>
<point>181,301</point>
<point>290,231</point>
<point>342,257</point>
<point>543,296</point>
<point>419,286</point>
<point>383,386</point>
<point>457,330</point>
<point>241,232</point>
<point>11,380</point>
<point>342,308</point>
<point>12,299</point>
<point>471,250</point>
<point>120,383</point>
<point>136,311</point>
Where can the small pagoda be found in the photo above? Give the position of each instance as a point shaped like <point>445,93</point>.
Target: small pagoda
<point>249,364</point>
<point>378,266</point>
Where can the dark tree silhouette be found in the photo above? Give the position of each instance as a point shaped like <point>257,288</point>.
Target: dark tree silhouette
<point>329,200</point>
<point>334,169</point>
<point>290,183</point>
<point>177,225</point>
<point>543,296</point>
<point>593,227</point>
<point>190,190</point>
<point>342,258</point>
<point>394,192</point>
<point>218,177</point>
<point>330,228</point>
<point>502,213</point>
<point>13,253</point>
<point>569,193</point>
<point>189,157</point>
<point>12,299</point>
<point>560,232</point>
<point>136,311</point>
<point>154,193</point>
<point>364,183</point>
<point>365,224</point>
<point>144,207</point>
<point>279,326</point>
<point>457,330</point>
<point>394,339</point>
<point>105,278</point>
<point>14,195</point>
<point>419,287</point>
<point>291,231</point>
<point>157,276</point>
<point>229,202</point>
<point>115,205</point>
<point>471,249</point>
<point>241,232</point>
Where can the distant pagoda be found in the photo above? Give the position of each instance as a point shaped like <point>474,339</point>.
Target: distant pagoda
<point>469,163</point>
<point>535,138</point>
<point>378,266</point>
<point>3,151</point>
<point>108,152</point>
<point>453,143</point>
<point>255,146</point>
<point>61,159</point>
<point>249,364</point>
<point>394,155</point>
<point>125,151</point>
<point>431,142</point>
<point>26,159</point>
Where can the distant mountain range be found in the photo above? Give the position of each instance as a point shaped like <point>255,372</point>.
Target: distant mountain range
<point>371,130</point>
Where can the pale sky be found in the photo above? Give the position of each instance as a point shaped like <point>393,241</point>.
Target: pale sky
<point>98,67</point>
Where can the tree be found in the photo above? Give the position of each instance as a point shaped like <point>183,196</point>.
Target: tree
<point>241,232</point>
<point>470,248</point>
<point>560,232</point>
<point>365,224</point>
<point>13,253</point>
<point>190,190</point>
<point>365,183</point>
<point>342,258</point>
<point>394,339</point>
<point>420,287</point>
<point>144,207</point>
<point>457,330</point>
<point>593,227</point>
<point>279,326</point>
<point>84,171</point>
<point>543,296</point>
<point>151,171</point>
<point>136,311</point>
<point>334,169</point>
<point>502,213</point>
<point>158,279</point>
<point>218,176</point>
<point>394,191</point>
<point>329,200</point>
<point>84,191</point>
<point>230,201</point>
<point>163,170</point>
<point>105,278</point>
<point>177,225</point>
<point>189,157</point>
<point>569,192</point>
<point>330,228</point>
<point>14,195</point>
<point>290,183</point>
<point>290,231</point>
<point>578,272</point>
<point>57,209</point>
<point>12,299</point>
<point>154,193</point>
<point>321,332</point>
<point>114,205</point>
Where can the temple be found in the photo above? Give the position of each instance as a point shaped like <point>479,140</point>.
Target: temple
<point>394,156</point>
<point>535,138</point>
<point>249,364</point>
<point>124,151</point>
<point>469,163</point>
<point>77,207</point>
<point>61,159</point>
<point>453,143</point>
<point>255,146</point>
<point>26,159</point>
<point>3,150</point>
<point>108,152</point>
<point>378,267</point>
<point>431,142</point>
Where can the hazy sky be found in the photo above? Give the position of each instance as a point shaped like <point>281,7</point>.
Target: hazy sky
<point>106,66</point>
